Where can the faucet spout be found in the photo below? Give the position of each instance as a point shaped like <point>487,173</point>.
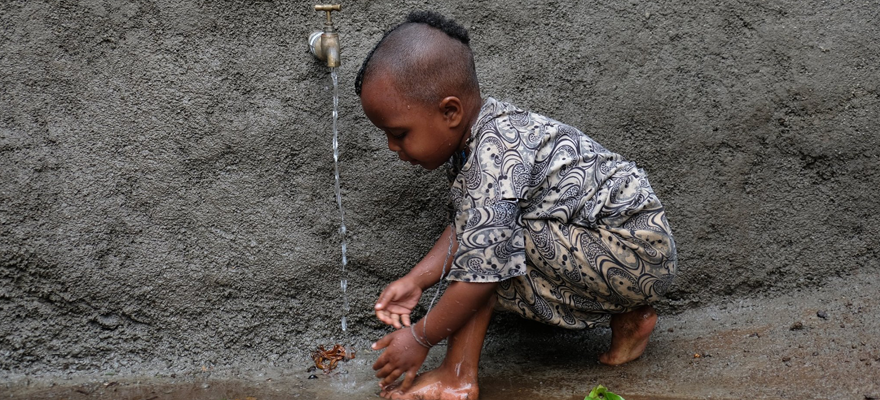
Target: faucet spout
<point>332,51</point>
<point>325,44</point>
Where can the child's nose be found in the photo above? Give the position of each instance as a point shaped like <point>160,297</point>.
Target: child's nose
<point>393,145</point>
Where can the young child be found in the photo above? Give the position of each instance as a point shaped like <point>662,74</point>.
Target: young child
<point>548,224</point>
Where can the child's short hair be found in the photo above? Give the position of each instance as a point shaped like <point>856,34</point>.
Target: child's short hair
<point>429,56</point>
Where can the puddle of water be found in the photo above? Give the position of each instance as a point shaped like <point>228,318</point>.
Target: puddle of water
<point>208,390</point>
<point>352,380</point>
<point>323,388</point>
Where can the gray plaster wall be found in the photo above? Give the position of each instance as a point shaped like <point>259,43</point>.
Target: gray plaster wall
<point>166,170</point>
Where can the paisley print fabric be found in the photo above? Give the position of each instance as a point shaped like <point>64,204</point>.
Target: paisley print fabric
<point>572,231</point>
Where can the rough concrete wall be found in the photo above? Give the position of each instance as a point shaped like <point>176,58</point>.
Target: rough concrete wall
<point>166,177</point>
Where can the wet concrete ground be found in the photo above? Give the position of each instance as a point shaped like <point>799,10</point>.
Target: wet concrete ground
<point>821,343</point>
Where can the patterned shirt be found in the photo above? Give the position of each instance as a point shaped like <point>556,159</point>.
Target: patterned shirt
<point>523,167</point>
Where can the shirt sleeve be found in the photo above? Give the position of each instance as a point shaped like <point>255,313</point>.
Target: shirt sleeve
<point>491,247</point>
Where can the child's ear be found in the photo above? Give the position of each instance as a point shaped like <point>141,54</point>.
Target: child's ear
<point>452,110</point>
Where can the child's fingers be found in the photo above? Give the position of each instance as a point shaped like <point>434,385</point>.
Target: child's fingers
<point>379,367</point>
<point>393,319</point>
<point>385,371</point>
<point>391,377</point>
<point>382,366</point>
<point>386,297</point>
<point>405,320</point>
<point>384,316</point>
<point>381,343</point>
<point>408,379</point>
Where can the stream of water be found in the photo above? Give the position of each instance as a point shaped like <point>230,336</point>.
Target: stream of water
<point>343,282</point>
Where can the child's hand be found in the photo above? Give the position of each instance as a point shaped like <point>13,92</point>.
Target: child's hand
<point>397,301</point>
<point>403,355</point>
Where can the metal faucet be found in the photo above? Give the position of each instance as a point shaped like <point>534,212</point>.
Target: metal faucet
<point>325,44</point>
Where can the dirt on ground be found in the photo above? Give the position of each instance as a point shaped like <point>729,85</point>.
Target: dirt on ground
<point>821,343</point>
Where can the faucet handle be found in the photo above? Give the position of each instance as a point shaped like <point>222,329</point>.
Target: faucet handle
<point>328,8</point>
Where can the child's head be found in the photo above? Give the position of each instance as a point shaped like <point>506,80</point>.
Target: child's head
<point>419,85</point>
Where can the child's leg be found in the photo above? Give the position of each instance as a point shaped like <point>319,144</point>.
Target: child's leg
<point>630,332</point>
<point>456,377</point>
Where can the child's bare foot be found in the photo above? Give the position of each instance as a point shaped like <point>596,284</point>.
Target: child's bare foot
<point>439,384</point>
<point>629,335</point>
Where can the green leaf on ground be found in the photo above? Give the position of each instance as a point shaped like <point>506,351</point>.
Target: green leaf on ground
<point>601,393</point>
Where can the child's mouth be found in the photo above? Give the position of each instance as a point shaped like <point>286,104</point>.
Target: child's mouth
<point>406,159</point>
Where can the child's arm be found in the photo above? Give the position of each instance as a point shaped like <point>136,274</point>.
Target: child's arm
<point>400,297</point>
<point>404,355</point>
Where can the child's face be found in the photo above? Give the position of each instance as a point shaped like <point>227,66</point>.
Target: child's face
<point>419,134</point>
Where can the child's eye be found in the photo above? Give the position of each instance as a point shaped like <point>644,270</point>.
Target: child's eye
<point>397,135</point>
